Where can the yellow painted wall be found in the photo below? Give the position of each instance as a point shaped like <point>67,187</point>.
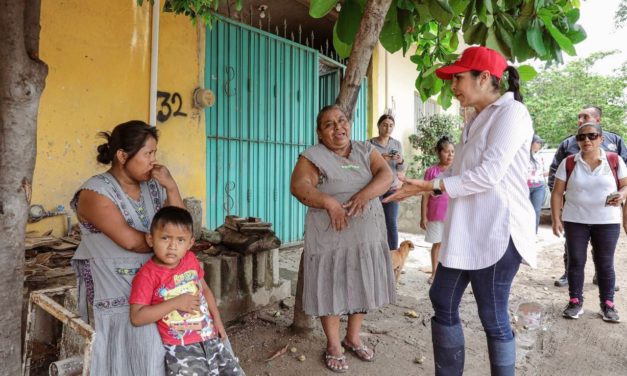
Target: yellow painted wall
<point>98,53</point>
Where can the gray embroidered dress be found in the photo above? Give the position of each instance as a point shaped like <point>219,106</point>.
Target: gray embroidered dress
<point>348,271</point>
<point>105,271</point>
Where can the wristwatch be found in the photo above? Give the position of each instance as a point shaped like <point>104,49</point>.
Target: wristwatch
<point>436,187</point>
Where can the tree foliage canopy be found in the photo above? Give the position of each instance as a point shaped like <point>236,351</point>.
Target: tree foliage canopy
<point>519,29</point>
<point>555,97</point>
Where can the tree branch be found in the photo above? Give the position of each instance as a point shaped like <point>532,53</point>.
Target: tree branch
<point>32,28</point>
<point>365,42</point>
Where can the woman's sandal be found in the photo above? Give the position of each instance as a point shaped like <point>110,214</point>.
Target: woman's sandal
<point>341,360</point>
<point>363,352</point>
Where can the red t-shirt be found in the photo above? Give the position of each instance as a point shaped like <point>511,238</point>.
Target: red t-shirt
<point>155,283</point>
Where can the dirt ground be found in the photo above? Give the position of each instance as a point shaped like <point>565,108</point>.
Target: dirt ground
<point>547,343</point>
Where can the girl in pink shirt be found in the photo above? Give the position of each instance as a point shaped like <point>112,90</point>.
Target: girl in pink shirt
<point>434,207</point>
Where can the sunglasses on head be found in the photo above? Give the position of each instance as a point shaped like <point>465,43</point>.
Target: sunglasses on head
<point>589,136</point>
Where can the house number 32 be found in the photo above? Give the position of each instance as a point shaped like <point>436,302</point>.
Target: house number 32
<point>171,104</point>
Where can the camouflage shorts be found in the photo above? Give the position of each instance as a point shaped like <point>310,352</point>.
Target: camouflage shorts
<point>210,357</point>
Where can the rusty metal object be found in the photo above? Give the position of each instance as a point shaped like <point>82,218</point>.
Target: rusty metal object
<point>42,299</point>
<point>67,367</point>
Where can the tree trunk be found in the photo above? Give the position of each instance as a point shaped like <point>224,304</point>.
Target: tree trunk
<point>365,41</point>
<point>22,77</point>
<point>301,322</point>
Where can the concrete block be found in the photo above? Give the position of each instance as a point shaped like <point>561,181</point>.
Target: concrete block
<point>247,274</point>
<point>261,259</point>
<point>213,275</point>
<point>274,266</point>
<point>229,277</point>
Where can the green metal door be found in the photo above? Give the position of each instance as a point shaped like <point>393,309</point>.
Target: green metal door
<point>267,98</point>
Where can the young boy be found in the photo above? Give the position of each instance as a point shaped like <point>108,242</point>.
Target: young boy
<point>171,291</point>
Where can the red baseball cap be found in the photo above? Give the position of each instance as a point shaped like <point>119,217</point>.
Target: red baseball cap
<point>475,58</point>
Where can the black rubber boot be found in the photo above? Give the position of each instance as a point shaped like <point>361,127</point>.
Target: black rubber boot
<point>502,357</point>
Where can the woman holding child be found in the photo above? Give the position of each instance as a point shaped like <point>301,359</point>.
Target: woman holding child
<point>347,266</point>
<point>114,211</point>
<point>489,228</point>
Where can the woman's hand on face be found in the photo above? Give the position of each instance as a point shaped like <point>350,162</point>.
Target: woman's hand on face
<point>558,227</point>
<point>356,205</point>
<point>162,175</point>
<point>337,214</point>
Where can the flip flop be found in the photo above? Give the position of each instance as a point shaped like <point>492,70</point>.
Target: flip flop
<point>361,352</point>
<point>328,361</point>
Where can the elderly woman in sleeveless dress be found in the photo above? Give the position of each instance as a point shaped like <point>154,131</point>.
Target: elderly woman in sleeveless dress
<point>114,210</point>
<point>347,267</point>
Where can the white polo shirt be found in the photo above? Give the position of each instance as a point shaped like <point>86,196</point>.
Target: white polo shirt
<point>587,190</point>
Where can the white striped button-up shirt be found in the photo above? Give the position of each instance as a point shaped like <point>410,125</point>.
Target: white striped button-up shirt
<point>488,189</point>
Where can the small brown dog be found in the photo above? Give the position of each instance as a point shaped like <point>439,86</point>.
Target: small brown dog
<point>399,256</point>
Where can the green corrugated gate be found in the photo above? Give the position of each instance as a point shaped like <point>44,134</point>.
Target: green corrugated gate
<point>267,98</point>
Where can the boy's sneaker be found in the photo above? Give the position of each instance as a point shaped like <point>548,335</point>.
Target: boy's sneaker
<point>608,312</point>
<point>574,309</point>
<point>562,281</point>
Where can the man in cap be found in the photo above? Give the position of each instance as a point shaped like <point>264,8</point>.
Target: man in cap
<point>611,142</point>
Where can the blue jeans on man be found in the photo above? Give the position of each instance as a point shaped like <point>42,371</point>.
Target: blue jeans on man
<point>491,287</point>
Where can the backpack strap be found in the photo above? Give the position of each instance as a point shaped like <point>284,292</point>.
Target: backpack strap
<point>570,166</point>
<point>612,159</point>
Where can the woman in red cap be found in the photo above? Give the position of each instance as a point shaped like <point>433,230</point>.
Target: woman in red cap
<point>489,229</point>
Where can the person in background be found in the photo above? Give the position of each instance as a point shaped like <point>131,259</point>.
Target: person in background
<point>433,208</point>
<point>569,146</point>
<point>595,184</point>
<point>488,230</point>
<point>170,290</point>
<point>346,260</point>
<point>535,180</point>
<point>114,211</point>
<point>392,151</point>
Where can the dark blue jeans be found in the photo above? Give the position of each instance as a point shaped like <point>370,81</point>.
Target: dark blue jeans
<point>536,195</point>
<point>490,287</point>
<point>603,239</point>
<point>390,210</point>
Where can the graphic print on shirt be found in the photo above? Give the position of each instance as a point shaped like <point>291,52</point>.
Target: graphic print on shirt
<point>183,323</point>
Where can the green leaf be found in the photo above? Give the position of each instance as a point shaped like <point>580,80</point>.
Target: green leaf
<point>458,5</point>
<point>423,13</point>
<point>505,41</point>
<point>491,41</point>
<point>527,72</point>
<point>416,59</point>
<point>564,43</point>
<point>577,34</point>
<point>348,21</point>
<point>441,11</point>
<point>468,13</point>
<point>476,34</point>
<point>534,38</point>
<point>342,49</point>
<point>520,48</point>
<point>572,16</point>
<point>320,8</point>
<point>482,11</point>
<point>445,98</point>
<point>488,6</point>
<point>454,42</point>
<point>391,36</point>
<point>508,21</point>
<point>405,4</point>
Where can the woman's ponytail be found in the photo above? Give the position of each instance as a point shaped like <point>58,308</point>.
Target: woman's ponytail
<point>513,82</point>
